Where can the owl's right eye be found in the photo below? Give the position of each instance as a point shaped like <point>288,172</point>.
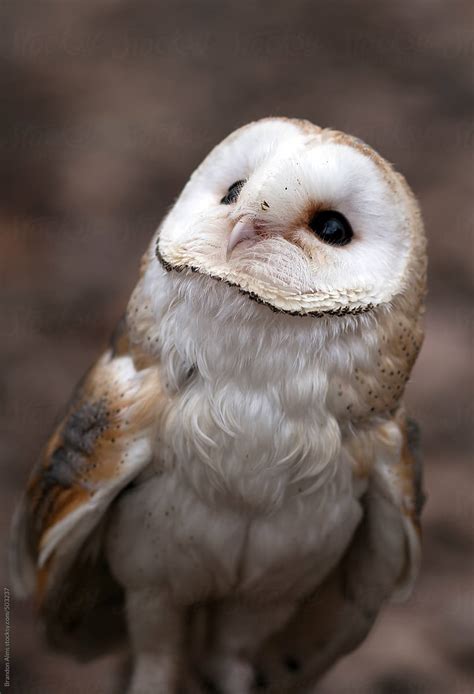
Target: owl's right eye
<point>233,193</point>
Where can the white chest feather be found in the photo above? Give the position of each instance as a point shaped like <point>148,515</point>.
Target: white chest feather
<point>255,437</point>
<point>250,477</point>
<point>253,412</point>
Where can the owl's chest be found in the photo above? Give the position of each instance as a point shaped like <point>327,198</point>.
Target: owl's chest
<point>252,444</point>
<point>162,532</point>
<point>250,491</point>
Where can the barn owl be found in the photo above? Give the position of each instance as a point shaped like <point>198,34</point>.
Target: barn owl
<point>235,486</point>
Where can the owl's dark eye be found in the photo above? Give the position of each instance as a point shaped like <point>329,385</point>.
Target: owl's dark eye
<point>331,227</point>
<point>233,193</point>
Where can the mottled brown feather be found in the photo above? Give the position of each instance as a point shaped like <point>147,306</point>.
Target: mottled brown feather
<point>113,407</point>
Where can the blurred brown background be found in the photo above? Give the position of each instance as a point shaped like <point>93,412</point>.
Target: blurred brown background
<point>106,108</point>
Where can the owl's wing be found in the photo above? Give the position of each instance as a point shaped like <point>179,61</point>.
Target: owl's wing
<point>380,563</point>
<point>101,444</point>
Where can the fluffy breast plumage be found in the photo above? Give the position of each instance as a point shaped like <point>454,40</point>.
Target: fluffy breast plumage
<point>251,480</point>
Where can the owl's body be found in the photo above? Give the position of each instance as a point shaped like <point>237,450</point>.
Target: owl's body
<point>237,469</point>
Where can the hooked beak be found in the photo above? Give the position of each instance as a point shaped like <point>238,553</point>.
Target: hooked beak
<point>245,228</point>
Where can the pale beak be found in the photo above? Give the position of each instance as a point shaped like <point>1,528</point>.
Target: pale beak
<point>245,228</point>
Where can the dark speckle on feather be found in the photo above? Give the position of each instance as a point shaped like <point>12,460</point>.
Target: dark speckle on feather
<point>69,463</point>
<point>63,468</point>
<point>82,428</point>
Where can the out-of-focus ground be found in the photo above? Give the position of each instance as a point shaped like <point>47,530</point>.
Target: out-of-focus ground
<point>106,107</point>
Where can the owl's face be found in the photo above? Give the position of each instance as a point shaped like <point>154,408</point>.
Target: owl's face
<point>306,220</point>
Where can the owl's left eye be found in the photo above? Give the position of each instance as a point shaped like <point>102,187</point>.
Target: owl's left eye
<point>232,193</point>
<point>331,227</point>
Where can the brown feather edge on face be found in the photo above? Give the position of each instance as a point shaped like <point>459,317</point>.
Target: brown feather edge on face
<point>315,314</point>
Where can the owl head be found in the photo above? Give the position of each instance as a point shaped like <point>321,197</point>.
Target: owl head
<point>305,220</point>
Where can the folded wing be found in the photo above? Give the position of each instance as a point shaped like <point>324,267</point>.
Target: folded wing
<point>101,444</point>
<point>381,563</point>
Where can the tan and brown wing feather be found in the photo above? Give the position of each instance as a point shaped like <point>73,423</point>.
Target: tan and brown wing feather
<point>102,442</point>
